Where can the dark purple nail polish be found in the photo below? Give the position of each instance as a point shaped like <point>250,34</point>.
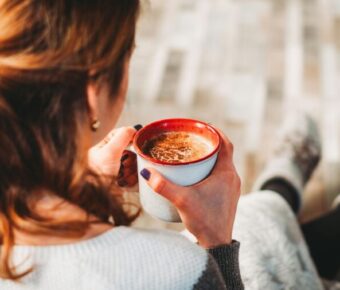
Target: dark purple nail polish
<point>145,173</point>
<point>138,127</point>
<point>124,157</point>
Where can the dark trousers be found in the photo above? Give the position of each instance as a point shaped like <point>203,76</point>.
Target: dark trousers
<point>322,235</point>
<point>323,239</point>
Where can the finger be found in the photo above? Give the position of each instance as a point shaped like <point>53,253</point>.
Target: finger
<point>225,156</point>
<point>225,140</point>
<point>109,136</point>
<point>126,171</point>
<point>129,158</point>
<point>120,140</point>
<point>129,181</point>
<point>106,139</point>
<point>163,186</point>
<point>128,164</point>
<point>128,161</point>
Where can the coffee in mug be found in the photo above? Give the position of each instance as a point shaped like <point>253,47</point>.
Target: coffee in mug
<point>177,147</point>
<point>183,150</point>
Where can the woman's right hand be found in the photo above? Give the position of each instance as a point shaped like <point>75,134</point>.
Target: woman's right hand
<point>207,208</point>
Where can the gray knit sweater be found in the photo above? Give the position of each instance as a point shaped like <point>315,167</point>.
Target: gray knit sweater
<point>128,259</point>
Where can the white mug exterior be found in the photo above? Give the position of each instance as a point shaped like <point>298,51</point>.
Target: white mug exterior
<point>184,175</point>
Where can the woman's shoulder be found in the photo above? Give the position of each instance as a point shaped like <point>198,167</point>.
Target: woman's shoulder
<point>170,255</point>
<point>163,240</point>
<point>135,258</point>
<point>155,257</point>
<point>162,245</point>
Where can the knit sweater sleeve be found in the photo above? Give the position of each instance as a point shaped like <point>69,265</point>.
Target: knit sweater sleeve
<point>222,269</point>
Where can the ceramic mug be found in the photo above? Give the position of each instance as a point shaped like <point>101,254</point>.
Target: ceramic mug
<point>184,173</point>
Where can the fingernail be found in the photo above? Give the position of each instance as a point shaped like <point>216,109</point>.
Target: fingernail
<point>138,127</point>
<point>145,173</point>
<point>124,157</point>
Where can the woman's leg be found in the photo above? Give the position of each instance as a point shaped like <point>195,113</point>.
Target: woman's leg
<point>284,189</point>
<point>322,235</point>
<point>323,238</point>
<point>273,253</point>
<point>295,158</point>
<point>296,155</point>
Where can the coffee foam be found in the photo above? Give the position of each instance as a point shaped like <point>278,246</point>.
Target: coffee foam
<point>177,147</point>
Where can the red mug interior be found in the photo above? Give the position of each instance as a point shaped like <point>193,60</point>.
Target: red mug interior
<point>185,125</point>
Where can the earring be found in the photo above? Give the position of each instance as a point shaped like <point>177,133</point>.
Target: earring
<point>95,125</point>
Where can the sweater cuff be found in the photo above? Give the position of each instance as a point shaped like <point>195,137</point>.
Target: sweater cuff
<point>227,258</point>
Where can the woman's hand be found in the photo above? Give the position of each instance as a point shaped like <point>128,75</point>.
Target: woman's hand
<point>207,208</point>
<point>110,159</point>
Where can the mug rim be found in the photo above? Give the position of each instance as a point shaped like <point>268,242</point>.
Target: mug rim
<point>159,162</point>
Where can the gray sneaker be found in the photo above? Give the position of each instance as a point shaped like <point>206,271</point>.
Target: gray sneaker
<point>296,154</point>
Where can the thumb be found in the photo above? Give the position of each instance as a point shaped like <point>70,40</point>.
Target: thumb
<point>171,191</point>
<point>120,140</point>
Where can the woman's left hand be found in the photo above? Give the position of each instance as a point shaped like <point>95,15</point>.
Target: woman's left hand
<point>110,159</point>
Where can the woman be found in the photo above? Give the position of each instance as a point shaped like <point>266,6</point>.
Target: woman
<point>64,224</point>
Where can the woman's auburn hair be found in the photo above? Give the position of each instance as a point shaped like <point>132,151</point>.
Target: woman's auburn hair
<point>49,52</point>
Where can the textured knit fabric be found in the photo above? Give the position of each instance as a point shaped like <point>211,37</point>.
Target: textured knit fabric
<point>273,254</point>
<point>121,259</point>
<point>209,280</point>
<point>222,270</point>
<point>227,259</point>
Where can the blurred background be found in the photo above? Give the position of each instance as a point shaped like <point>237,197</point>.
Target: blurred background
<point>243,65</point>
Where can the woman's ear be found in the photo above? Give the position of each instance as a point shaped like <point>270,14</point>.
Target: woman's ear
<point>92,101</point>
